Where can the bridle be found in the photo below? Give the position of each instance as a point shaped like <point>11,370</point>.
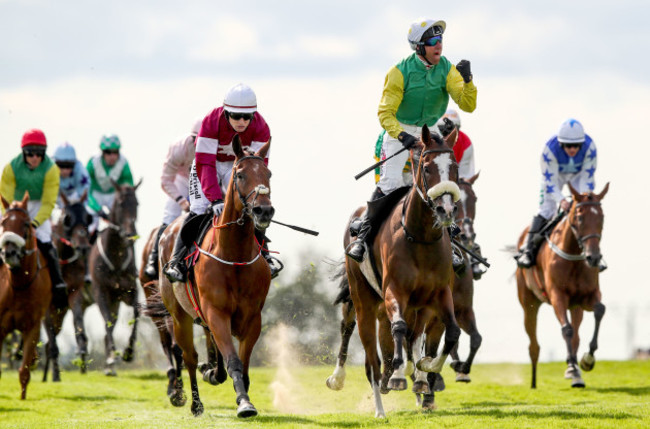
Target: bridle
<point>581,239</point>
<point>23,251</point>
<point>247,210</point>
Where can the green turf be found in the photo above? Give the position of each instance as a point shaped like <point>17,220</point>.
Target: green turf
<point>617,395</point>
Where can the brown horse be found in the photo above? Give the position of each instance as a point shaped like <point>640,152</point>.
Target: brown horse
<point>113,271</point>
<point>165,328</point>
<point>412,251</point>
<point>566,276</point>
<point>70,236</point>
<point>231,276</point>
<point>25,286</point>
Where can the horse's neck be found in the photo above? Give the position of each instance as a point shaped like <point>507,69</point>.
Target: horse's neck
<point>565,237</point>
<point>28,269</point>
<point>419,219</point>
<point>234,239</point>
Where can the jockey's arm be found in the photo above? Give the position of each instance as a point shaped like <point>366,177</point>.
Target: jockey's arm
<point>7,185</point>
<point>50,193</point>
<point>390,101</point>
<point>586,178</point>
<point>126,178</point>
<point>463,94</point>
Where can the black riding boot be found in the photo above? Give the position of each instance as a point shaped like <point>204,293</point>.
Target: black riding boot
<point>526,256</point>
<point>175,269</point>
<point>477,270</point>
<point>357,249</point>
<point>151,270</point>
<point>271,260</point>
<point>59,288</point>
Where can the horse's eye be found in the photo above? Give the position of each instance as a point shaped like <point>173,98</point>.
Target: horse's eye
<point>579,218</point>
<point>240,176</point>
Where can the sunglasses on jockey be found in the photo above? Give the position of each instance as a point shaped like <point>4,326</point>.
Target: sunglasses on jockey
<point>34,152</point>
<point>432,41</point>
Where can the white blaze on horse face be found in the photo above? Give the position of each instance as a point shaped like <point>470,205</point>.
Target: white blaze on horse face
<point>443,162</point>
<point>463,200</point>
<point>594,211</point>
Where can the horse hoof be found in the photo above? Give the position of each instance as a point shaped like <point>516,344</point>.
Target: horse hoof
<point>245,410</point>
<point>56,378</point>
<point>429,404</point>
<point>462,377</point>
<point>197,408</point>
<point>110,372</point>
<point>571,372</point>
<point>587,362</point>
<point>421,387</point>
<point>127,355</point>
<point>439,384</point>
<point>203,367</point>
<point>212,377</point>
<point>397,384</point>
<point>333,383</point>
<point>177,398</point>
<point>578,382</point>
<point>429,364</point>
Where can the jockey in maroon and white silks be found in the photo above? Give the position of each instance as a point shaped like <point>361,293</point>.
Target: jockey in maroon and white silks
<point>214,157</point>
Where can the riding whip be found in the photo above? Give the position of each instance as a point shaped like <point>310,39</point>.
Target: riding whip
<point>297,228</point>
<point>377,164</point>
<point>478,258</point>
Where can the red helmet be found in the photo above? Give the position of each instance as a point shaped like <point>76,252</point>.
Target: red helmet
<point>33,137</point>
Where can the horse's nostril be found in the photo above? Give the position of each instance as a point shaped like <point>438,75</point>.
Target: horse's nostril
<point>440,211</point>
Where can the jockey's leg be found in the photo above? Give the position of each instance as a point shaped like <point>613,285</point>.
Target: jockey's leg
<point>526,256</point>
<point>357,248</point>
<point>59,288</point>
<point>477,270</point>
<point>175,269</point>
<point>151,269</point>
<point>273,262</point>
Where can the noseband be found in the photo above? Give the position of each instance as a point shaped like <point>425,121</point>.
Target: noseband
<point>427,200</point>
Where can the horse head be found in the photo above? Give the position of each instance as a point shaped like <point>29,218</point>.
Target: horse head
<point>437,177</point>
<point>251,180</point>
<point>124,212</point>
<point>74,223</point>
<point>17,232</point>
<point>586,220</point>
<point>467,210</point>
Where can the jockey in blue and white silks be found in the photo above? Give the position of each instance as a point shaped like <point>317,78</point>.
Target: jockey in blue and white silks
<point>74,176</point>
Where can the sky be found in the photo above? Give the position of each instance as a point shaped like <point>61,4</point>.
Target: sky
<point>147,70</point>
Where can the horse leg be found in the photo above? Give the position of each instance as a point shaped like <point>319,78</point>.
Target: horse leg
<point>560,304</point>
<point>128,353</point>
<point>392,378</point>
<point>51,348</point>
<point>109,313</point>
<point>467,321</point>
<point>348,322</point>
<point>367,322</point>
<point>214,371</point>
<point>588,360</point>
<point>530,304</point>
<point>184,335</point>
<point>79,328</point>
<point>246,344</point>
<point>452,332</point>
<point>30,338</point>
<point>398,326</point>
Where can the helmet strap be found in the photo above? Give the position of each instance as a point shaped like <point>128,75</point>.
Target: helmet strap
<point>421,51</point>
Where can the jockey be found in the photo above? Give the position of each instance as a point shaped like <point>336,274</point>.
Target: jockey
<point>101,169</point>
<point>34,172</point>
<point>175,183</point>
<point>212,166</point>
<point>464,153</point>
<point>416,93</point>
<point>74,177</point>
<point>568,157</point>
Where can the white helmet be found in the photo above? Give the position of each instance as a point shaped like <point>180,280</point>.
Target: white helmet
<point>424,27</point>
<point>240,99</point>
<point>453,116</point>
<point>571,131</point>
<point>196,127</point>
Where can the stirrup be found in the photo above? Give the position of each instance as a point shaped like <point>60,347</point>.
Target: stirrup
<point>174,273</point>
<point>151,270</point>
<point>356,250</point>
<point>272,260</point>
<point>524,260</point>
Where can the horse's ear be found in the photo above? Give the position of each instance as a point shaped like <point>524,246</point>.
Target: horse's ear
<point>426,134</point>
<point>236,147</point>
<point>116,186</point>
<point>5,203</point>
<point>65,200</point>
<point>451,138</point>
<point>603,192</point>
<point>472,179</point>
<point>25,199</point>
<point>264,149</point>
<point>135,188</point>
<point>575,193</point>
<point>84,196</point>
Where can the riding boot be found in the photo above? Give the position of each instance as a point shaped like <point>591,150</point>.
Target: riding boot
<point>175,269</point>
<point>271,260</point>
<point>59,288</point>
<point>357,249</point>
<point>526,256</point>
<point>477,270</point>
<point>457,258</point>
<point>151,270</point>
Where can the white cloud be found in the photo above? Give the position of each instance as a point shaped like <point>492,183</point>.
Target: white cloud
<point>226,39</point>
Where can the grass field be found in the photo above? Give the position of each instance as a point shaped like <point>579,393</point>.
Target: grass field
<point>617,395</point>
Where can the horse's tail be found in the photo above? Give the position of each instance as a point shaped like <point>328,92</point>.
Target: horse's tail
<point>344,285</point>
<point>155,309</point>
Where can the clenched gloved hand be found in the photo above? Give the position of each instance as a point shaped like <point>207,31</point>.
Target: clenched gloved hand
<point>446,127</point>
<point>216,207</point>
<point>464,69</point>
<point>408,141</point>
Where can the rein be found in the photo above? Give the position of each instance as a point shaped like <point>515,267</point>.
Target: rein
<point>580,239</point>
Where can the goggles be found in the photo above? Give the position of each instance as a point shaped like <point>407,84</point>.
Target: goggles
<point>110,151</point>
<point>65,164</point>
<point>238,116</point>
<point>571,145</point>
<point>34,152</point>
<point>432,41</point>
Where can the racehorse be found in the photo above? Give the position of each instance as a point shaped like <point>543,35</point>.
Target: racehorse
<point>113,271</point>
<point>25,285</point>
<point>231,277</point>
<point>73,246</point>
<point>164,325</point>
<point>412,252</point>
<point>566,276</point>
